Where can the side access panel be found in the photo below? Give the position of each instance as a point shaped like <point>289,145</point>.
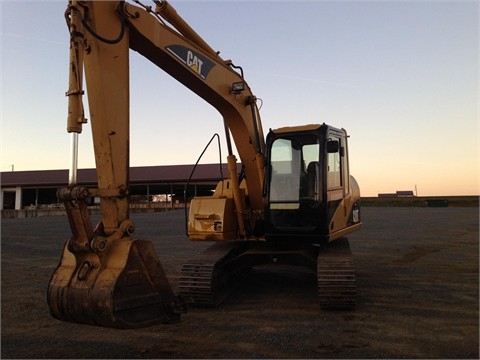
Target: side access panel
<point>211,219</point>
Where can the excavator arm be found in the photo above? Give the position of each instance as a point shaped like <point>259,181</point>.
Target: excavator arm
<point>104,276</point>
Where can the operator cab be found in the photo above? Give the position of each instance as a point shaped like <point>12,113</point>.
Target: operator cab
<point>307,181</point>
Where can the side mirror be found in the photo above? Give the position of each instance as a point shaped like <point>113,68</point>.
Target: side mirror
<point>332,146</point>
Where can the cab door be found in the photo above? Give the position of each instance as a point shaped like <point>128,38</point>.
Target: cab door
<point>294,185</point>
<point>337,178</point>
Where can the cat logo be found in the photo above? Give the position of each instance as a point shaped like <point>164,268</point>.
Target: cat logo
<point>195,61</point>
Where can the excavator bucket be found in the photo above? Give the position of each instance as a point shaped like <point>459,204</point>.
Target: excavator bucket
<point>125,287</point>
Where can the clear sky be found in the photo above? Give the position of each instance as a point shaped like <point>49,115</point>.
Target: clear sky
<point>401,76</point>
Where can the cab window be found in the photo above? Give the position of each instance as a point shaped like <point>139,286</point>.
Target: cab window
<point>334,173</point>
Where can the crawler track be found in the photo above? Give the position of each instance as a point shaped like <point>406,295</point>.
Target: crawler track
<point>336,276</point>
<point>207,279</point>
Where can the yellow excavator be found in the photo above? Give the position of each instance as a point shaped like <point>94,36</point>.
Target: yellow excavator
<point>293,202</point>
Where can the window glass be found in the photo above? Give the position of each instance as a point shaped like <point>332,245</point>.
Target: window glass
<point>290,158</point>
<point>334,178</point>
<point>281,156</point>
<point>295,187</point>
<point>284,180</point>
<point>310,154</point>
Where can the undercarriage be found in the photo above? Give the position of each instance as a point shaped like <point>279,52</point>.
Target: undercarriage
<point>208,279</point>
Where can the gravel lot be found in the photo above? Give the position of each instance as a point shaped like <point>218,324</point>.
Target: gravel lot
<point>417,284</point>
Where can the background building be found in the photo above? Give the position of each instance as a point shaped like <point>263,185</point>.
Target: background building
<point>148,184</point>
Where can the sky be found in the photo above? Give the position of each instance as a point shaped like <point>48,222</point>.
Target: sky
<point>402,77</point>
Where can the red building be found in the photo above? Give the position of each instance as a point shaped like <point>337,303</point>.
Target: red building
<point>33,189</point>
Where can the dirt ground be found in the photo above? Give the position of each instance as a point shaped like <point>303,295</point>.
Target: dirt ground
<point>417,284</point>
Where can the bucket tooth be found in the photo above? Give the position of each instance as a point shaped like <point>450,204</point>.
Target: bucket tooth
<point>124,287</point>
